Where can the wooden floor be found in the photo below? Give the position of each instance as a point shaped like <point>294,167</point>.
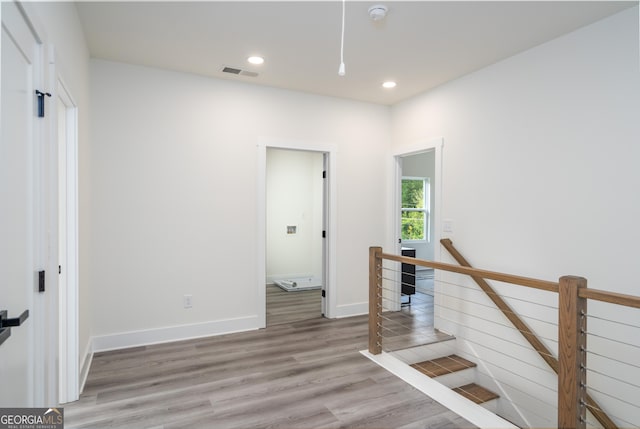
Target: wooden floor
<point>307,374</point>
<point>288,307</point>
<point>412,325</point>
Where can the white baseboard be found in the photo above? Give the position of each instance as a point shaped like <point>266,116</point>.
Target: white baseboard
<point>349,310</point>
<point>146,337</point>
<point>86,365</point>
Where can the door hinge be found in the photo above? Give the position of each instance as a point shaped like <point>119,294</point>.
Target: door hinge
<point>59,269</point>
<point>41,281</point>
<point>324,234</point>
<point>324,174</point>
<point>324,293</point>
<point>41,95</point>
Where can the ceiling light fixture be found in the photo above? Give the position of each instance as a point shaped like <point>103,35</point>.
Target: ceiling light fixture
<point>341,71</point>
<point>255,60</point>
<point>389,84</point>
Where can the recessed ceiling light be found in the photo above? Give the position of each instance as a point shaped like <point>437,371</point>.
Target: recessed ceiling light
<point>389,84</point>
<point>256,60</point>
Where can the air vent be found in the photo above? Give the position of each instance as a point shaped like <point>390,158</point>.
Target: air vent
<point>231,70</point>
<point>240,72</point>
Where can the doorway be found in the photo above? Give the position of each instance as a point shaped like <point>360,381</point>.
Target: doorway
<point>288,227</point>
<point>418,182</point>
<point>294,248</point>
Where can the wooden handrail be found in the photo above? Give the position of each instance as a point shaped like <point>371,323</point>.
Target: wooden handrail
<point>581,295</point>
<point>474,272</point>
<point>610,297</point>
<point>537,345</point>
<point>520,325</point>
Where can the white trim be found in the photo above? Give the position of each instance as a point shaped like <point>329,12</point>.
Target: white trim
<point>309,146</point>
<point>69,371</point>
<point>349,310</point>
<point>398,153</point>
<point>475,414</point>
<point>169,334</point>
<point>415,148</point>
<point>426,193</point>
<point>86,366</point>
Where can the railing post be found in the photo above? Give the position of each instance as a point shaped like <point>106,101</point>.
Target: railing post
<point>572,354</point>
<point>375,300</point>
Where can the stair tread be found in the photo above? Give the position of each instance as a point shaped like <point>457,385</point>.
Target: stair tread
<point>476,393</point>
<point>444,365</point>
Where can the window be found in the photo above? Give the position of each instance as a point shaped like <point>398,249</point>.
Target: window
<point>415,209</point>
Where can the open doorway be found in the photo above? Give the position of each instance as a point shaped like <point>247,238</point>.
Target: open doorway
<point>417,187</point>
<point>295,234</point>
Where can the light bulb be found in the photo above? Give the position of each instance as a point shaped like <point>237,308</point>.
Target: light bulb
<point>255,60</point>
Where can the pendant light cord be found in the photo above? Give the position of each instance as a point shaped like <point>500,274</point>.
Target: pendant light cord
<point>341,70</point>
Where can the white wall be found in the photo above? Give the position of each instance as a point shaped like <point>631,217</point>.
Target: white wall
<point>174,196</point>
<point>294,197</point>
<point>63,30</point>
<point>540,179</point>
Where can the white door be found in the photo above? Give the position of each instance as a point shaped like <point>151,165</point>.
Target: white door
<point>19,212</point>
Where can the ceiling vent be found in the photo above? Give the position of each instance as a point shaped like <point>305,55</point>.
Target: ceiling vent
<point>234,70</point>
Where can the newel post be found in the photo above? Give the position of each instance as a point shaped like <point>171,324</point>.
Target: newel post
<point>572,341</point>
<point>375,300</point>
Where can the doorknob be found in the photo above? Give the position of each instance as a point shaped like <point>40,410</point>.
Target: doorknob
<point>6,324</point>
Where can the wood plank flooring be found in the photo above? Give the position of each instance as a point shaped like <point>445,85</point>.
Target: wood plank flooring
<point>443,365</point>
<point>411,326</point>
<point>307,374</point>
<point>288,307</point>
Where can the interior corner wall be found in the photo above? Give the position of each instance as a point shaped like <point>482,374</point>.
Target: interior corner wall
<point>540,179</point>
<point>64,31</point>
<point>175,188</point>
<point>293,198</point>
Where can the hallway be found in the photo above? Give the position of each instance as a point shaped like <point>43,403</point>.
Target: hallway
<point>308,374</point>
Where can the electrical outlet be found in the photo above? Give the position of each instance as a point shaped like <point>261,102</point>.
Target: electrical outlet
<point>187,300</point>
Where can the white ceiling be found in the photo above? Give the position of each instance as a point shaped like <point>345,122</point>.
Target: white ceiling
<point>420,44</point>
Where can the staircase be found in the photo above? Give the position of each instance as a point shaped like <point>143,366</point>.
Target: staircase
<point>458,374</point>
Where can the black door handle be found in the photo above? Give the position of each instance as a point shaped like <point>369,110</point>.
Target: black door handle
<point>6,324</point>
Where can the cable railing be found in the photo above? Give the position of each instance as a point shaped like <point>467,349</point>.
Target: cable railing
<point>612,361</point>
<point>598,356</point>
<point>407,310</point>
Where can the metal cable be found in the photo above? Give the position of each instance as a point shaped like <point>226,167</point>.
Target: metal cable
<point>480,291</point>
<point>611,377</point>
<point>590,316</point>
<point>496,323</point>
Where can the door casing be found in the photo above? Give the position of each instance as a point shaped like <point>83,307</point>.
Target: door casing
<point>399,153</point>
<point>329,305</point>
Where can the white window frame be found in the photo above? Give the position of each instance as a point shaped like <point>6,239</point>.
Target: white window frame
<point>426,210</point>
